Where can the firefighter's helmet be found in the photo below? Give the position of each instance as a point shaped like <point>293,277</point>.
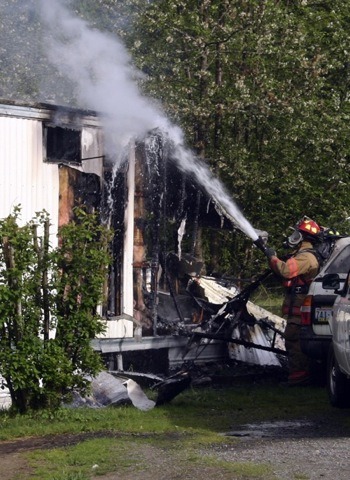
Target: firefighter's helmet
<point>308,226</point>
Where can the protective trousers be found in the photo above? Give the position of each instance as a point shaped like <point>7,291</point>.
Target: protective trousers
<point>298,362</point>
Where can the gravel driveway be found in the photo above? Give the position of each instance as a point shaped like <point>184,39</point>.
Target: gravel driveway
<point>294,450</point>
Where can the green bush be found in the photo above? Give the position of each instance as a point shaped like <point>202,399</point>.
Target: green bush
<point>48,307</point>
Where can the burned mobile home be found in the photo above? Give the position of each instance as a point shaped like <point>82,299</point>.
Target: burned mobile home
<point>160,309</point>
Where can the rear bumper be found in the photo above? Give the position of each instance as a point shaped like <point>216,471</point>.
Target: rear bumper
<point>314,346</point>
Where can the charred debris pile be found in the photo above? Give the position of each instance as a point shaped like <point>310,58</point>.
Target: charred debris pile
<point>171,295</point>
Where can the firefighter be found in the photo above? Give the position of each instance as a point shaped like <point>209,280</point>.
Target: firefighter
<point>297,272</point>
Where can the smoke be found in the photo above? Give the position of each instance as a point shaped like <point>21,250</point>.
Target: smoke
<point>101,68</point>
<point>106,80</point>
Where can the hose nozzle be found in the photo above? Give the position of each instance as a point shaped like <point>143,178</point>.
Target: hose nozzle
<point>260,244</point>
<point>268,252</point>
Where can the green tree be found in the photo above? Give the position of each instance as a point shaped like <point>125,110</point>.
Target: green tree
<point>260,87</point>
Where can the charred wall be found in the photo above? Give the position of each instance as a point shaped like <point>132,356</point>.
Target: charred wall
<point>77,188</point>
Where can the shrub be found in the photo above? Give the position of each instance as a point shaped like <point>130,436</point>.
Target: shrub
<point>48,306</point>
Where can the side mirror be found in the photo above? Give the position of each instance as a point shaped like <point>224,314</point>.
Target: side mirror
<point>331,281</point>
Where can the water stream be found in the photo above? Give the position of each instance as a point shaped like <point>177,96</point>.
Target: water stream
<point>193,167</point>
<point>215,189</point>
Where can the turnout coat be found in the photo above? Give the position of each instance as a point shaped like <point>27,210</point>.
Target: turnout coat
<point>297,273</point>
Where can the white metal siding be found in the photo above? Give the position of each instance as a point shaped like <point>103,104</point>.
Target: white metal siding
<point>24,178</point>
<point>27,180</point>
<point>92,146</point>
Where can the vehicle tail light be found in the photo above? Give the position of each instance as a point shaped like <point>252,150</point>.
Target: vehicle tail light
<point>305,311</point>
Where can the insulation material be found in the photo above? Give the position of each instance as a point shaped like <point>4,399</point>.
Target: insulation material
<point>137,396</point>
<point>215,292</point>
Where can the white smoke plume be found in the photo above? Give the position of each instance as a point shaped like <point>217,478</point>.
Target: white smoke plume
<point>106,80</point>
<point>102,70</point>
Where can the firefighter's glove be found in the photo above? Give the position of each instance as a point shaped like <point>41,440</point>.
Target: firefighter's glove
<point>270,252</point>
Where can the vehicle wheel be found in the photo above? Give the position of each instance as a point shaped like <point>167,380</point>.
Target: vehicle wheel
<point>338,385</point>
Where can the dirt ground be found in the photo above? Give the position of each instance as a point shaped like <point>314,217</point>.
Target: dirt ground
<point>317,448</point>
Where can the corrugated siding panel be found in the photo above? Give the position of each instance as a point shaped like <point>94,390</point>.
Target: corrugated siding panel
<point>24,178</point>
<point>92,146</point>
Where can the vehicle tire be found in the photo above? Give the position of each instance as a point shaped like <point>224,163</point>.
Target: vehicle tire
<point>338,385</point>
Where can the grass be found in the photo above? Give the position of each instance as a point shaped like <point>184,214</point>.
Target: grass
<point>194,411</point>
<point>179,432</point>
<point>270,298</point>
<point>94,458</point>
<point>80,461</point>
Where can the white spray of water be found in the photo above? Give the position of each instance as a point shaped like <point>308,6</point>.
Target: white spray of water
<point>189,164</point>
<point>106,82</point>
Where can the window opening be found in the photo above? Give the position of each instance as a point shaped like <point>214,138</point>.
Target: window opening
<point>63,145</point>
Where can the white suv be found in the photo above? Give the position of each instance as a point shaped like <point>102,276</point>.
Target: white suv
<point>338,365</point>
<point>316,313</point>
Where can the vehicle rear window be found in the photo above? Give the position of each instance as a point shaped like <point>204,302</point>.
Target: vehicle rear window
<point>341,264</point>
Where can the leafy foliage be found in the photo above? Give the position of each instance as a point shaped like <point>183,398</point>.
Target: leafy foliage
<point>260,88</point>
<point>44,291</point>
